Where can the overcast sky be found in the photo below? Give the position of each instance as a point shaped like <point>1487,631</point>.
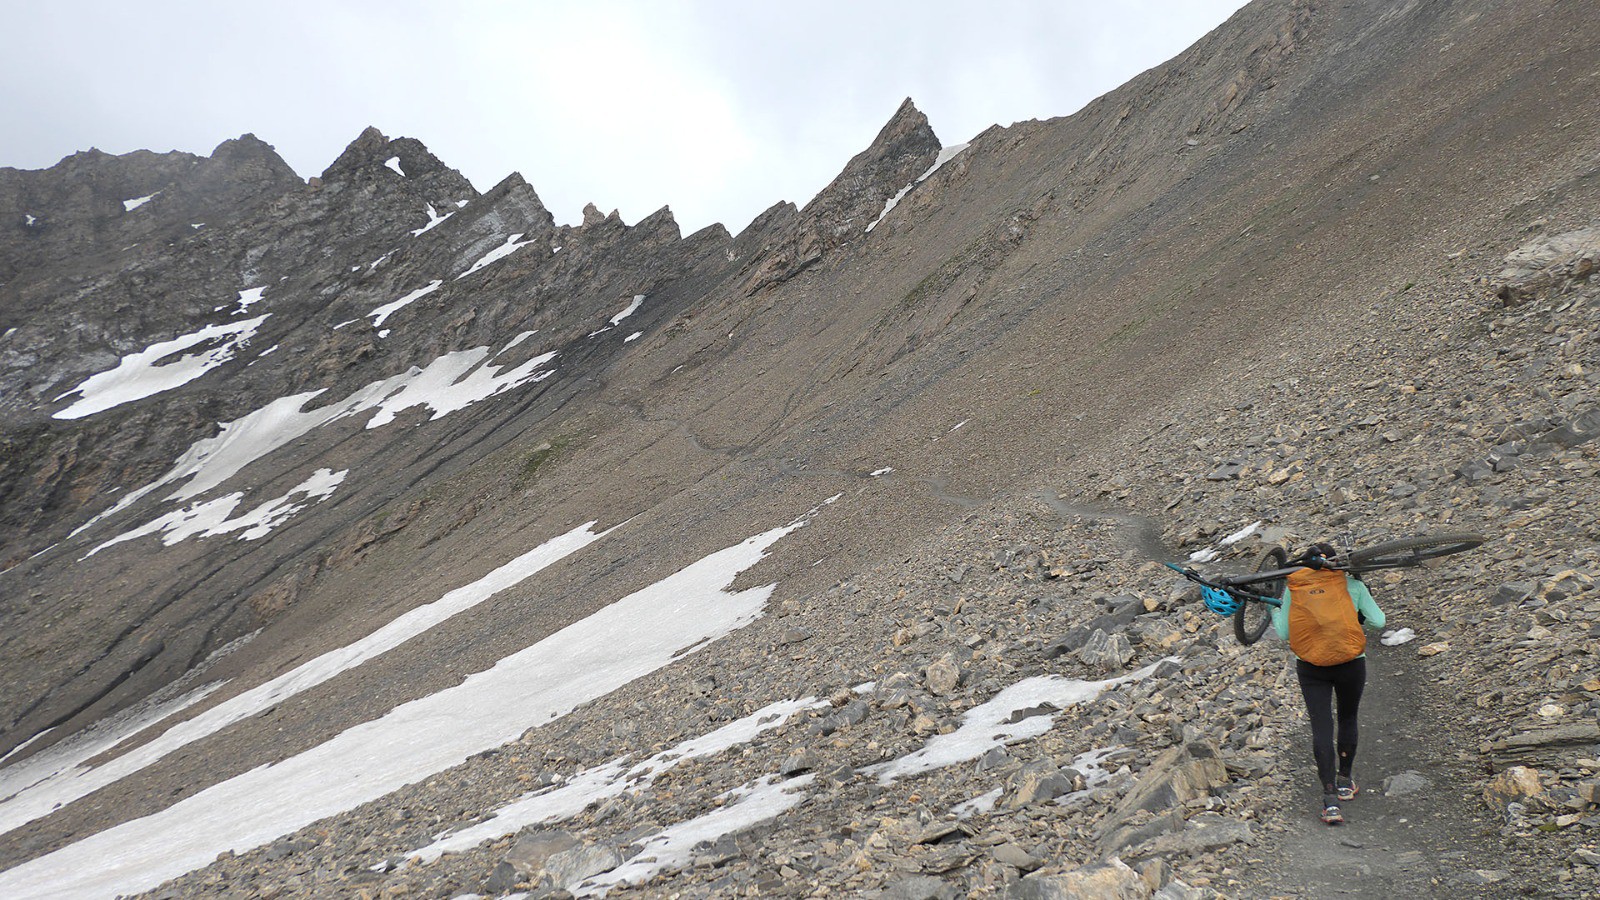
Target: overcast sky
<point>718,108</point>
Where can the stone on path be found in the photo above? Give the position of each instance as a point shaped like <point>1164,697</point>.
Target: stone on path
<point>1404,783</point>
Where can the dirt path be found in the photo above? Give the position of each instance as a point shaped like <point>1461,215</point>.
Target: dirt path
<point>1431,840</point>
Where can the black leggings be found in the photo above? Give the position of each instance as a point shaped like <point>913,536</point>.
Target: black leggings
<point>1319,685</point>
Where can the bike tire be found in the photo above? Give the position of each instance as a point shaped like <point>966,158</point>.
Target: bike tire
<point>1411,551</point>
<point>1251,619</point>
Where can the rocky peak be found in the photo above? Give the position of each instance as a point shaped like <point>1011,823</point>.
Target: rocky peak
<point>904,149</point>
<point>659,227</point>
<point>373,157</point>
<point>239,168</point>
<point>368,149</point>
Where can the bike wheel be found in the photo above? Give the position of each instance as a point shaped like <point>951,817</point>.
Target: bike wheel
<point>1411,551</point>
<point>1251,619</point>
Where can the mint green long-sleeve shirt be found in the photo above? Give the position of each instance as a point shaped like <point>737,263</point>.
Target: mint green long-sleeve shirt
<point>1365,605</point>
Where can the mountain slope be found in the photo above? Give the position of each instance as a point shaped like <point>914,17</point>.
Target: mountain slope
<point>1093,308</point>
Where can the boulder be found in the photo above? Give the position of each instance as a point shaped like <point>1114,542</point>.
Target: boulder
<point>1547,745</point>
<point>1203,833</point>
<point>533,848</point>
<point>1177,776</point>
<point>1037,782</point>
<point>1110,880</point>
<point>1514,785</point>
<point>942,675</point>
<point>1106,652</point>
<point>570,867</point>
<point>1546,264</point>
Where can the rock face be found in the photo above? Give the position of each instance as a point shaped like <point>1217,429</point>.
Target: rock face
<point>902,151</point>
<point>1253,296</point>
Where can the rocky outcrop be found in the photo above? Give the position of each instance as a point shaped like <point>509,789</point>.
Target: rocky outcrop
<point>903,150</point>
<point>1547,265</point>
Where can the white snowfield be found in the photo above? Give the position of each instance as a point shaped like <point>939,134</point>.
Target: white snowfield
<point>611,779</point>
<point>638,300</point>
<point>630,309</point>
<point>449,383</point>
<point>249,298</point>
<point>945,155</point>
<point>644,631</point>
<point>209,518</point>
<point>746,805</point>
<point>986,726</point>
<point>512,245</point>
<point>53,780</point>
<point>433,219</point>
<point>983,728</point>
<point>61,759</point>
<point>135,203</point>
<point>140,375</point>
<point>388,309</point>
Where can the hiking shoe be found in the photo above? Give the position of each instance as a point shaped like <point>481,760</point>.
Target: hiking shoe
<point>1347,788</point>
<point>1330,811</point>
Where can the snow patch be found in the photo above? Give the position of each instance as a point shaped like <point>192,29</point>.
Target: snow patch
<point>1241,534</point>
<point>633,337</point>
<point>651,628</point>
<point>388,309</point>
<point>67,782</point>
<point>433,219</point>
<point>986,726</point>
<point>250,297</point>
<point>979,805</point>
<point>945,155</point>
<point>449,383</point>
<point>36,786</point>
<point>610,779</point>
<point>135,203</point>
<point>1397,637</point>
<point>212,517</point>
<point>393,162</point>
<point>511,246</point>
<point>638,299</point>
<point>138,375</point>
<point>744,806</point>
<point>632,308</point>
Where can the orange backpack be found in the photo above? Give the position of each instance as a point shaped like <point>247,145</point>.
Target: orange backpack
<point>1323,627</point>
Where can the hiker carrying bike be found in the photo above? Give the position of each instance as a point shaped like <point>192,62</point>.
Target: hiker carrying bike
<point>1321,614</point>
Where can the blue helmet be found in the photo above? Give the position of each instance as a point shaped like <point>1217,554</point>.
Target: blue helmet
<point>1220,602</point>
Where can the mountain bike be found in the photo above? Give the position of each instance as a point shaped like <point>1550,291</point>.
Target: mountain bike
<point>1250,597</point>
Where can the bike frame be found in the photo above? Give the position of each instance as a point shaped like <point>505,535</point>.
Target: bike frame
<point>1231,584</point>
